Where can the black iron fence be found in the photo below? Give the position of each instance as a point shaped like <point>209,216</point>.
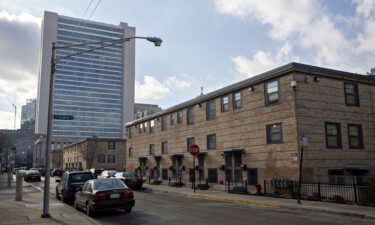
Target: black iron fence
<point>342,189</point>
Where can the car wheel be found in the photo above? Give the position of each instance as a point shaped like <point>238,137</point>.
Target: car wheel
<point>57,195</point>
<point>88,210</point>
<point>128,210</point>
<point>76,204</point>
<point>64,199</point>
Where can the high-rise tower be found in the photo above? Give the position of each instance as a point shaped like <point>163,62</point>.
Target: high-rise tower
<point>95,88</point>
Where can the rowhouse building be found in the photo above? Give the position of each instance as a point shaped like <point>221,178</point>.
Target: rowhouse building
<point>250,130</point>
<point>98,153</point>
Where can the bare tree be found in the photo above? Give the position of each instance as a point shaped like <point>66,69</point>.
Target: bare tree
<point>91,149</point>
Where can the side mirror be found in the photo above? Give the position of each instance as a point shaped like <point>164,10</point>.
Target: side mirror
<point>57,181</point>
<point>79,188</point>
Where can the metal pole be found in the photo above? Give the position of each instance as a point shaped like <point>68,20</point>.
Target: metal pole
<point>15,115</point>
<point>49,139</point>
<point>300,177</point>
<point>194,173</point>
<point>19,185</point>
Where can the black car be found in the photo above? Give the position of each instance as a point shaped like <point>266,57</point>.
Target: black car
<point>32,175</point>
<point>104,194</point>
<point>56,172</point>
<point>69,184</point>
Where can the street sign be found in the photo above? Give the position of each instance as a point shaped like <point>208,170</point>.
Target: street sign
<point>62,117</point>
<point>294,158</point>
<point>194,150</point>
<point>303,142</point>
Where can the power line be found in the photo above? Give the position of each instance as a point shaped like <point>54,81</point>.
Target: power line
<point>87,9</point>
<point>94,9</point>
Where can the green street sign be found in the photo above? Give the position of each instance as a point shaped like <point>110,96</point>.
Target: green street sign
<point>62,117</point>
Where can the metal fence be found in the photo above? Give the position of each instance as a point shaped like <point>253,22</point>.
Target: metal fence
<point>343,189</point>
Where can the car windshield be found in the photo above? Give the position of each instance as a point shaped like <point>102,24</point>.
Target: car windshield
<point>107,184</point>
<point>129,175</point>
<point>33,171</point>
<point>80,177</point>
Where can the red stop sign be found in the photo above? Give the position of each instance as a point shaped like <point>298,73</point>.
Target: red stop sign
<point>194,150</point>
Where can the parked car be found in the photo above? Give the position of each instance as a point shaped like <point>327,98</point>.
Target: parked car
<point>22,172</point>
<point>56,172</point>
<point>130,179</point>
<point>104,194</point>
<point>32,175</point>
<point>15,170</point>
<point>107,174</point>
<point>96,172</point>
<point>69,184</point>
<point>42,172</point>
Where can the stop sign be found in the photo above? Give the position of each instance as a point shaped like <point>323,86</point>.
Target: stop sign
<point>194,150</point>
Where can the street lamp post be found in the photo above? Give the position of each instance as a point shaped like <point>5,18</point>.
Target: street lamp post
<point>15,115</point>
<point>157,42</point>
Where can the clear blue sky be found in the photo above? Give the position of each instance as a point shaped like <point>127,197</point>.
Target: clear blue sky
<point>209,43</point>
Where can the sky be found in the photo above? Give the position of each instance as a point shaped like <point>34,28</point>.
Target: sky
<point>206,43</point>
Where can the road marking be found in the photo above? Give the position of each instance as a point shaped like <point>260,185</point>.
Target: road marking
<point>245,202</point>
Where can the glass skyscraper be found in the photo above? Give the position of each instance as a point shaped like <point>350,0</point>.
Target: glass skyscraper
<point>95,89</point>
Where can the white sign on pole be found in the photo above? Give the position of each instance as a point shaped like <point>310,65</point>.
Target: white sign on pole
<point>303,142</point>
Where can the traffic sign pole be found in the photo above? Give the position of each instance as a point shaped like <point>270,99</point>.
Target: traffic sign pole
<point>194,173</point>
<point>194,151</point>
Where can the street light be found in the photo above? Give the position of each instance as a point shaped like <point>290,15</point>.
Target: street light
<point>15,114</point>
<point>157,42</point>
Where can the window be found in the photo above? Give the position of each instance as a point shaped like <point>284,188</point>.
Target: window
<point>151,149</point>
<point>272,92</point>
<point>111,158</point>
<point>190,115</point>
<point>336,176</point>
<point>173,118</point>
<point>225,104</point>
<point>140,128</point>
<point>211,141</point>
<point>131,132</point>
<point>164,148</point>
<point>210,110</point>
<point>145,127</point>
<point>179,117</point>
<point>274,133</point>
<point>351,94</point>
<point>237,100</point>
<point>130,152</point>
<point>189,142</point>
<point>355,136</point>
<point>111,145</point>
<point>101,158</point>
<point>152,125</point>
<point>164,122</point>
<point>333,135</point>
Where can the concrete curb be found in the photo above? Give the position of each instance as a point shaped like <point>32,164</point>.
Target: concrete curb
<point>245,202</point>
<point>266,204</point>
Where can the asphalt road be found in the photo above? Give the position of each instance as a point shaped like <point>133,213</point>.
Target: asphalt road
<point>152,208</point>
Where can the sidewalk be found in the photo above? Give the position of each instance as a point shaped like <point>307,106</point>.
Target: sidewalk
<point>30,209</point>
<point>367,213</point>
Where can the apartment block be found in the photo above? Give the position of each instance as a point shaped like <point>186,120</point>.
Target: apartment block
<point>251,130</point>
<point>98,153</point>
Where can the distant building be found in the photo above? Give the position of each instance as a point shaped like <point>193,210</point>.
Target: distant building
<point>96,153</point>
<point>28,115</point>
<point>57,159</point>
<point>142,110</point>
<point>95,89</point>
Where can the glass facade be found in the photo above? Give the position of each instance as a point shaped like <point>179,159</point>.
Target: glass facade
<point>88,86</point>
